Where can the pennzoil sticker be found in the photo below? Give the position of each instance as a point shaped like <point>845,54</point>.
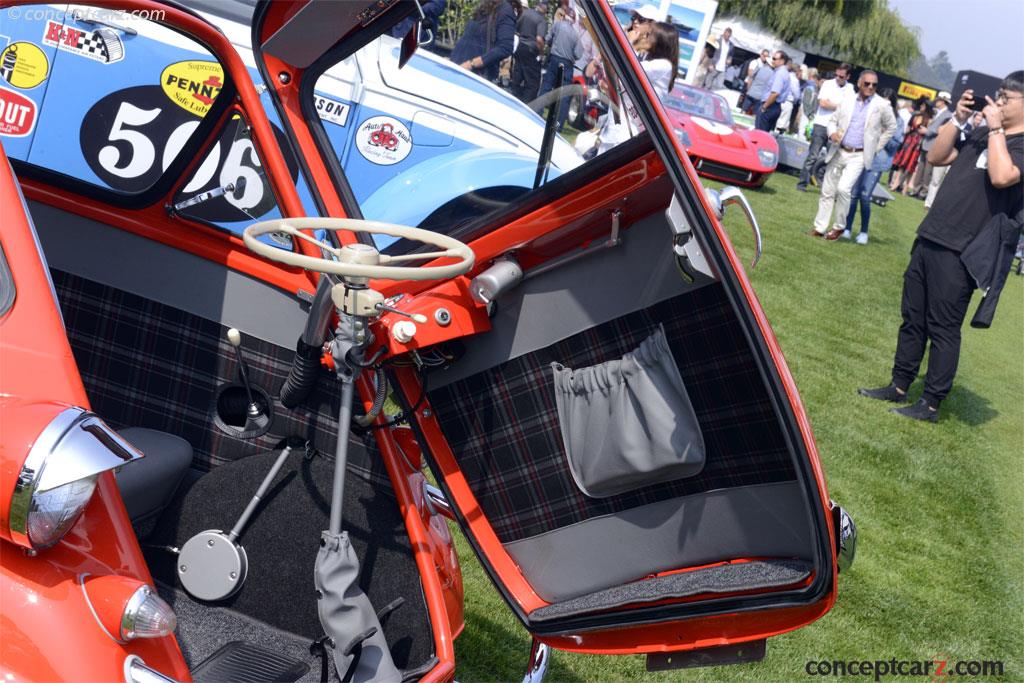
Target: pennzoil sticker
<point>101,45</point>
<point>17,114</point>
<point>383,140</point>
<point>193,85</point>
<point>24,65</point>
<point>331,110</point>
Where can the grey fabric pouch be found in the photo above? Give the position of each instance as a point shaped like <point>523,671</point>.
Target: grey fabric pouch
<point>628,423</point>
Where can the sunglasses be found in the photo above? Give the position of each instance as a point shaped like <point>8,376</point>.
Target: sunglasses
<point>870,84</point>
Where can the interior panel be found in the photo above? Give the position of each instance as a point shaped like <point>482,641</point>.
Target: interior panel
<point>160,273</point>
<point>497,410</point>
<point>763,520</point>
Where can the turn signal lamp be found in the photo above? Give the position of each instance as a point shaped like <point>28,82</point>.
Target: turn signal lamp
<point>127,609</point>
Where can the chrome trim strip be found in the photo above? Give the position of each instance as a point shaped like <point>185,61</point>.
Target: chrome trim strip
<point>88,601</point>
<point>136,671</point>
<point>97,448</point>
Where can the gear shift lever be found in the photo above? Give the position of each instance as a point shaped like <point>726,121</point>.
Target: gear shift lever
<point>235,339</point>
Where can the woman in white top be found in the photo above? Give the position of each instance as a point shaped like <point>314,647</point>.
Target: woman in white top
<point>658,43</point>
<point>661,63</point>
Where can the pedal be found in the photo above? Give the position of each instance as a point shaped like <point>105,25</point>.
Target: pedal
<point>387,609</point>
<point>357,642</point>
<point>241,661</point>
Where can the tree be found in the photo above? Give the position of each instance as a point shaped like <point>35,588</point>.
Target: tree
<point>453,22</point>
<point>936,72</point>
<point>865,32</point>
<point>944,72</point>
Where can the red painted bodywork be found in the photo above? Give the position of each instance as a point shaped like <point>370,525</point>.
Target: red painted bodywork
<point>42,598</point>
<point>733,146</point>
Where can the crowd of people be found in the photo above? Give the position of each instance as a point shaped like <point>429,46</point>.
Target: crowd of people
<point>964,161</point>
<point>511,42</point>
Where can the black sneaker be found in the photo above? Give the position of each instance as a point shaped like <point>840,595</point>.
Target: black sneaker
<point>889,393</point>
<point>801,187</point>
<point>919,411</point>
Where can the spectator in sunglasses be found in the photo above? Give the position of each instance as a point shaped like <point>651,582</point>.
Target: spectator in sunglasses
<point>860,127</point>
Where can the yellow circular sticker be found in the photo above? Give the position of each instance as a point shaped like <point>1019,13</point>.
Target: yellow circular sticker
<point>23,65</point>
<point>193,85</point>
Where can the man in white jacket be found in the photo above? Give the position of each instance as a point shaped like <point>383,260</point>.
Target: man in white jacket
<point>860,127</point>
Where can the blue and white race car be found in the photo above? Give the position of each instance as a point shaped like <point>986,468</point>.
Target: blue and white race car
<point>111,102</point>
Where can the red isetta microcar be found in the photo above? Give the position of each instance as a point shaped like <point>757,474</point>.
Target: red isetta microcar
<point>220,396</point>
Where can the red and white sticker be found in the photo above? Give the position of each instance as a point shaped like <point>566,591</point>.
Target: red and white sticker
<point>383,140</point>
<point>101,45</point>
<point>17,114</point>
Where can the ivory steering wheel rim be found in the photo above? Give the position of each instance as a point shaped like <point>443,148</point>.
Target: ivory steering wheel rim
<point>452,248</point>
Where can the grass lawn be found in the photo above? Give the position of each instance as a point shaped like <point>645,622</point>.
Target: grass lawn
<point>940,562</point>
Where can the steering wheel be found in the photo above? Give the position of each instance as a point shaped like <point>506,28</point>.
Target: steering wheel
<point>360,260</point>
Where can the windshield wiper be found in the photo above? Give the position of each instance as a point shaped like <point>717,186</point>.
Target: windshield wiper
<point>211,194</point>
<point>548,142</point>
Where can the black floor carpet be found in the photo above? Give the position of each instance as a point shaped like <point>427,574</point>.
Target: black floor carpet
<point>281,542</point>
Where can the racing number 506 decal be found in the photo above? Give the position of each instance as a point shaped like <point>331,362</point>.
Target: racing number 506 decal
<point>131,136</point>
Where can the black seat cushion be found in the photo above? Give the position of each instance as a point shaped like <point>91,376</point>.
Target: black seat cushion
<point>147,484</point>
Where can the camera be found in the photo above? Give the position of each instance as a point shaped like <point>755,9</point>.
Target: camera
<point>981,84</point>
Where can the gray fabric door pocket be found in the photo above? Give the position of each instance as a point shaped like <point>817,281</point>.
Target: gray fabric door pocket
<point>628,423</point>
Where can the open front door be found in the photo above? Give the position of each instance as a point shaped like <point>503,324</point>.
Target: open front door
<point>600,399</point>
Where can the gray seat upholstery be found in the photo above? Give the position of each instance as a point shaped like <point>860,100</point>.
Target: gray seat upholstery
<point>147,484</point>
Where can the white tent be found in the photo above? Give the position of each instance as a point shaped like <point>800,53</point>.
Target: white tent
<point>751,36</point>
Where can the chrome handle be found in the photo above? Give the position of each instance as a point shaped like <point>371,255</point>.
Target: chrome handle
<point>437,501</point>
<point>733,195</point>
<point>90,18</point>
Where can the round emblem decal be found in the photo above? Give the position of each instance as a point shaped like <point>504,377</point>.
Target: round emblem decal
<point>193,85</point>
<point>383,140</point>
<point>23,65</point>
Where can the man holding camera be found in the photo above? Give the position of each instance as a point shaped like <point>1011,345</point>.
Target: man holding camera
<point>984,181</point>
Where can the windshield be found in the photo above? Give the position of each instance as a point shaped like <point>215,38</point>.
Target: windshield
<point>697,102</point>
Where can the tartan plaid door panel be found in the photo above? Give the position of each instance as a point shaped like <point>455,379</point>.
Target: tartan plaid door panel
<point>147,364</point>
<point>502,423</point>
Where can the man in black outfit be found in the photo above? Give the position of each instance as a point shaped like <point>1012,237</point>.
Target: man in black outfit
<point>531,29</point>
<point>984,180</point>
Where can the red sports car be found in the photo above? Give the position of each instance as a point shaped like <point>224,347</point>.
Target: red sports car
<point>719,147</point>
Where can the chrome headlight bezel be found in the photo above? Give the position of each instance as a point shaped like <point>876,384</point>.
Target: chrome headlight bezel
<point>74,447</point>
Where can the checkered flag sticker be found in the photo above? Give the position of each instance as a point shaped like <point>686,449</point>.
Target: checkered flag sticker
<point>104,43</point>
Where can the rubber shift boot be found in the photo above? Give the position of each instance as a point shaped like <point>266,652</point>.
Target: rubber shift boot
<point>241,661</point>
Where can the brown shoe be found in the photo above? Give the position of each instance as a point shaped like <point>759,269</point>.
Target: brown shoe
<point>833,234</point>
<point>814,233</point>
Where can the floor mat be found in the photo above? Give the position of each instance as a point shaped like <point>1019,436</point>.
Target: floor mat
<point>241,661</point>
<point>726,578</point>
<point>204,629</point>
